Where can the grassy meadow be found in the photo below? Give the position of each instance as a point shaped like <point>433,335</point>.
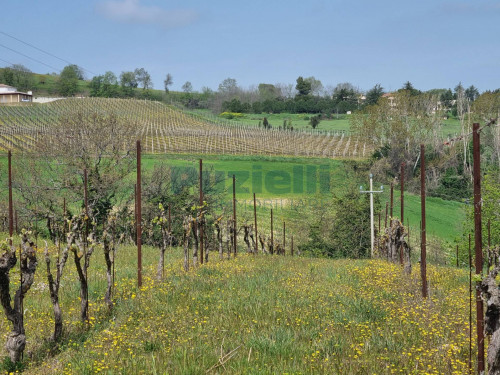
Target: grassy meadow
<point>293,183</point>
<point>252,315</point>
<point>341,122</point>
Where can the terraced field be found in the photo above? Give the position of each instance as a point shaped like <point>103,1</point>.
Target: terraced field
<point>166,129</point>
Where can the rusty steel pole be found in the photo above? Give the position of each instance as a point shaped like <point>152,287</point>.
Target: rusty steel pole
<point>272,234</point>
<point>139,216</point>
<point>402,191</point>
<point>470,306</point>
<point>169,225</point>
<point>423,242</point>
<point>255,222</point>
<point>234,216</point>
<point>392,204</point>
<point>386,211</point>
<point>86,202</point>
<point>489,245</point>
<point>478,241</point>
<point>200,223</point>
<point>284,237</point>
<point>11,205</point>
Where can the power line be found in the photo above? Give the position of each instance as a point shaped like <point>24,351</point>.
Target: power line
<point>41,50</point>
<point>5,61</point>
<point>31,58</point>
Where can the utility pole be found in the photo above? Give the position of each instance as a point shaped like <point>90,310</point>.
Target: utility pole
<point>371,192</point>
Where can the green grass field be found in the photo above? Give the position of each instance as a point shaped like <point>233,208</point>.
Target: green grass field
<point>253,315</point>
<point>449,127</point>
<point>444,217</point>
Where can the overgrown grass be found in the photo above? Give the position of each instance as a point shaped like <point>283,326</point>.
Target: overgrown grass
<point>278,315</point>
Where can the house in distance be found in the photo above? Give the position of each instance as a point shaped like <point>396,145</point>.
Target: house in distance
<point>10,95</point>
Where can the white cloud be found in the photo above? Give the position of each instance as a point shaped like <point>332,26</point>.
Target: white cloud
<point>131,11</point>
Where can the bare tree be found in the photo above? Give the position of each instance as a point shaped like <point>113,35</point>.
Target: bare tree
<point>168,82</point>
<point>463,111</point>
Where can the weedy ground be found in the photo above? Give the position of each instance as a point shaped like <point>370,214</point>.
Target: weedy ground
<point>252,315</point>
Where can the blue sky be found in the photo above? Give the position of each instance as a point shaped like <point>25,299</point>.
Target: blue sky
<point>432,43</point>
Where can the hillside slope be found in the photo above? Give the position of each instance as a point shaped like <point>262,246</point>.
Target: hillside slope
<point>166,129</point>
<point>255,314</point>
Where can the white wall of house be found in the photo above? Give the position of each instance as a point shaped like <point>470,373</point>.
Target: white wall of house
<point>5,88</point>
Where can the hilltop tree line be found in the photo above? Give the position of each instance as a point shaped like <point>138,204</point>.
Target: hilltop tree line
<point>306,95</point>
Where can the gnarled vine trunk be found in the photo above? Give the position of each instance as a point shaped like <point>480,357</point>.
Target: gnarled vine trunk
<point>393,245</point>
<point>490,293</point>
<point>54,284</point>
<point>83,250</point>
<point>185,240</point>
<point>16,340</point>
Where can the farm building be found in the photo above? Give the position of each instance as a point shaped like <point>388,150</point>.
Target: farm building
<point>10,95</point>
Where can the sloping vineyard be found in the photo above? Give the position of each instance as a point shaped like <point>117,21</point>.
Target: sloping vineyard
<point>166,129</point>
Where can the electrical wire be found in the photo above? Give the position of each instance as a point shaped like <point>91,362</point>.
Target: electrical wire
<point>41,50</point>
<point>459,138</point>
<point>31,58</point>
<point>5,61</point>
